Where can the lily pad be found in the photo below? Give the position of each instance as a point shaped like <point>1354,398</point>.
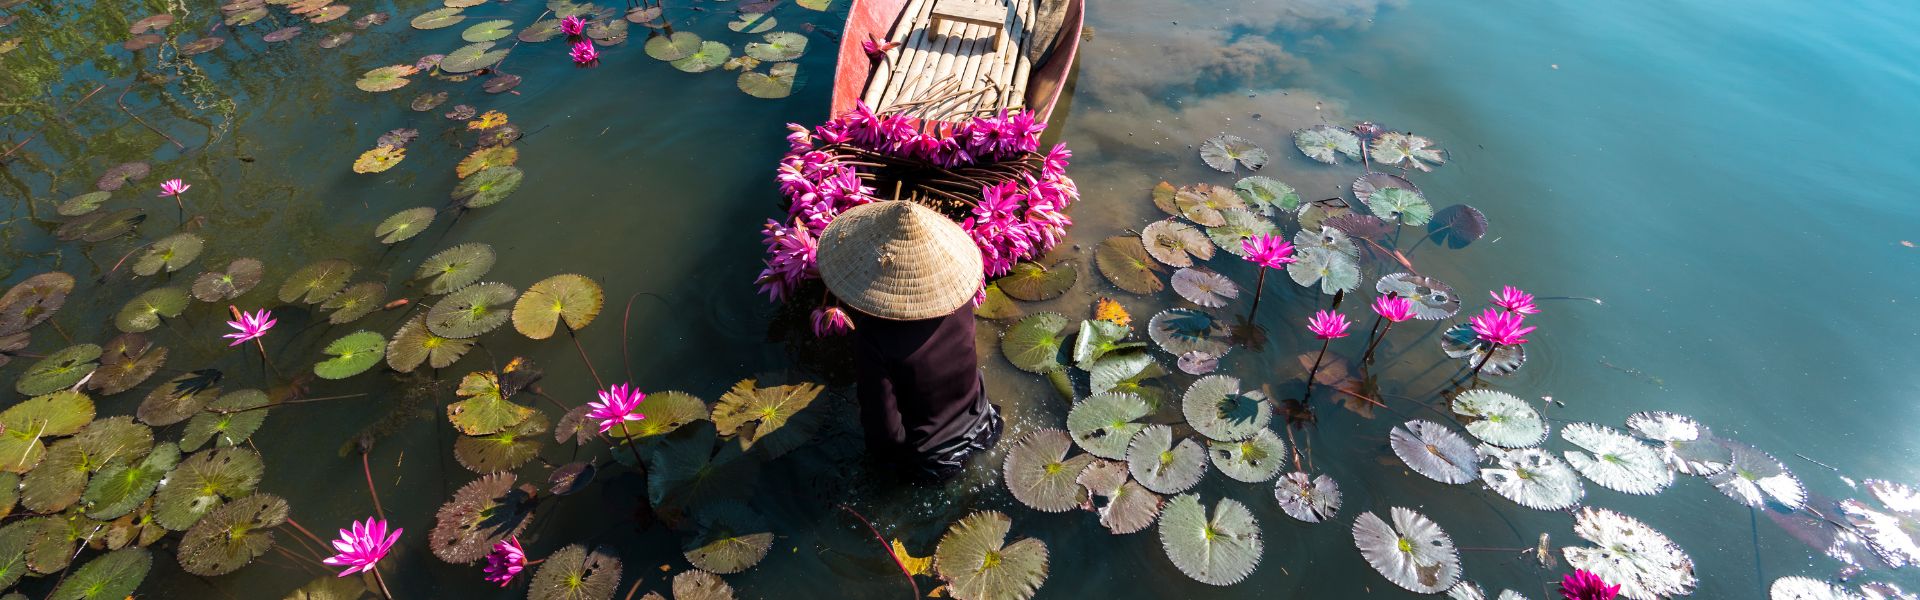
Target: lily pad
<point>1367,184</point>
<point>97,226</point>
<point>1163,467</point>
<point>1041,476</point>
<point>700,585</point>
<point>170,403</point>
<point>1268,196</point>
<point>1204,204</point>
<point>201,46</point>
<point>569,298</point>
<point>1326,143</point>
<point>226,284</point>
<point>33,301</point>
<point>472,57</point>
<point>483,512</point>
<point>1407,151</point>
<point>607,32</point>
<point>1457,226</point>
<point>121,487</point>
<point>780,80</point>
<point>485,159</point>
<point>1253,460</point>
<point>778,46</point>
<point>118,176</point>
<point>144,312</point>
<point>1215,407</point>
<point>199,484</point>
<point>1432,450</point>
<point>1105,424</point>
<point>1204,288</point>
<point>232,535</point>
<point>413,345</point>
<point>1034,282</point>
<point>456,267</point>
<point>771,419</point>
<point>1223,152</point>
<point>280,35</point>
<point>488,187</point>
<point>1128,507</point>
<point>59,370</point>
<point>113,575</point>
<point>358,300</point>
<point>1500,418</point>
<point>540,31</point>
<point>1219,549</point>
<point>228,421</point>
<point>1180,331</point>
<point>729,538</point>
<point>1643,562</point>
<point>573,573</point>
<point>316,282</point>
<point>672,47</point>
<point>1684,444</point>
<point>1331,271</point>
<point>1796,587</point>
<point>1887,536</point>
<point>487,31</point>
<point>1533,478</point>
<point>471,311</point>
<point>427,102</point>
<point>1405,206</point>
<point>438,18</point>
<point>379,159</point>
<point>352,355</point>
<point>503,450</point>
<point>752,23</point>
<point>82,204</point>
<point>1432,299</point>
<point>1755,478</point>
<point>1175,243</point>
<point>1413,553</point>
<point>688,471</point>
<point>709,57</point>
<point>30,422</point>
<point>1122,368</point>
<point>1097,339</point>
<point>1460,342</point>
<point>977,563</point>
<point>336,40</point>
<point>1033,345</point>
<point>384,79</point>
<point>1618,462</point>
<point>667,412</point>
<point>1239,225</point>
<point>1308,498</point>
<point>485,409</point>
<point>1125,263</point>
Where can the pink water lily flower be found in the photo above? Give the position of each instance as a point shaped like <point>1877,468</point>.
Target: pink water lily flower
<point>505,561</point>
<point>249,326</point>
<point>1501,327</point>
<point>584,54</point>
<point>1328,325</point>
<point>618,404</point>
<point>1393,308</point>
<point>1584,585</point>
<point>875,48</point>
<point>361,547</point>
<point>1513,299</point>
<point>573,25</point>
<point>1268,250</point>
<point>830,321</point>
<point>173,187</point>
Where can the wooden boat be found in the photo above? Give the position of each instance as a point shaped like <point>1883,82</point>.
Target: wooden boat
<point>950,64</point>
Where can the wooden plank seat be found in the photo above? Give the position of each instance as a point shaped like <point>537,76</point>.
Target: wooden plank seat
<point>990,15</point>
<point>955,59</point>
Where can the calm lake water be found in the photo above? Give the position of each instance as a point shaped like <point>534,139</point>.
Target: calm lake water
<point>1728,179</point>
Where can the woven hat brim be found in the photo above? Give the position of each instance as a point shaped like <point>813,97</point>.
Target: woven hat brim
<point>899,260</point>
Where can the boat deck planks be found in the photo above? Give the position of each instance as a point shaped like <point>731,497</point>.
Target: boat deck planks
<point>948,69</point>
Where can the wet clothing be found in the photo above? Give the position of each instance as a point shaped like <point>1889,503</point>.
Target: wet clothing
<point>921,393</point>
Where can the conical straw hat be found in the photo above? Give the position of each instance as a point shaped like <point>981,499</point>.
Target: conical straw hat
<point>899,260</point>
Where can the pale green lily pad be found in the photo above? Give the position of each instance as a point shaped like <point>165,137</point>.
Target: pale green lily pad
<point>456,267</point>
<point>1097,339</point>
<point>1126,263</point>
<point>572,573</point>
<point>199,484</point>
<point>1432,299</point>
<point>1326,143</point>
<point>120,488</point>
<point>998,306</point>
<point>1182,330</point>
<point>316,282</point>
<point>1216,407</point>
<point>1226,151</point>
<point>540,31</point>
<point>710,55</point>
<point>358,300</point>
<point>1256,459</point>
<point>678,45</point>
<point>1413,552</point>
<point>1618,461</point>
<point>1034,282</point>
<point>779,46</point>
<point>352,355</point>
<point>485,410</point>
<point>403,225</point>
<point>1175,243</point>
<point>487,31</point>
<point>232,535</point>
<point>503,450</point>
<point>60,370</point>
<point>730,538</point>
<point>29,423</point>
<point>752,23</point>
<point>112,576</point>
<point>473,310</point>
<point>472,57</point>
<point>1401,205</point>
<point>1105,424</point>
<point>1041,476</point>
<point>569,298</point>
<point>228,420</point>
<point>1407,151</point>
<point>780,80</point>
<point>1118,368</point>
<point>1240,224</point>
<point>82,204</point>
<point>772,420</point>
<point>1329,270</point>
<point>1501,419</point>
<point>977,563</point>
<point>413,345</point>
<point>1160,465</point>
<point>667,412</point>
<point>144,312</point>
<point>1034,343</point>
<point>1222,549</point>
<point>238,278</point>
<point>488,187</point>
<point>438,18</point>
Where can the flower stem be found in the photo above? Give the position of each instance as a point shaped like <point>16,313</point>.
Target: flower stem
<point>1259,285</point>
<point>383,582</point>
<point>1483,363</point>
<point>266,363</point>
<point>1368,359</point>
<point>1307,397</point>
<point>368,470</point>
<point>583,357</point>
<point>628,442</point>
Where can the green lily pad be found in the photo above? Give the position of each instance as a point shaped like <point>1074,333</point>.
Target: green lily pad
<point>483,512</point>
<point>817,5</point>
<point>1040,475</point>
<point>238,278</point>
<point>1222,549</point>
<point>1256,459</point>
<point>1457,226</point>
<point>1326,143</point>
<point>1033,282</point>
<point>503,450</point>
<point>487,31</point>
<point>82,204</point>
<point>316,282</point>
<point>438,18</point>
<point>1407,151</point>
<point>144,312</point>
<point>977,563</point>
<point>1128,507</point>
<point>1175,243</point>
<point>9,495</point>
<point>122,487</point>
<point>171,402</point>
<point>1160,465</point>
<point>1239,225</point>
<point>128,361</point>
<point>352,355</point>
<point>112,576</point>
<point>60,370</point>
<point>699,585</point>
<point>998,306</point>
<point>607,32</point>
<point>1104,424</point>
<point>1034,343</point>
<point>771,419</point>
<point>358,300</point>
<point>752,23</point>
<point>666,413</point>
<point>52,540</point>
<point>414,345</point>
<point>232,535</point>
<point>572,573</point>
<point>97,226</point>
<point>13,553</point>
<point>678,45</point>
<point>1215,407</point>
<point>202,481</point>
<point>472,57</point>
<point>1121,368</point>
<point>779,46</point>
<point>488,187</point>
<point>485,409</point>
<point>1125,263</point>
<point>780,80</point>
<point>330,588</point>
<point>228,421</point>
<point>471,311</point>
<point>1203,204</point>
<point>33,301</point>
<point>385,79</point>
<point>1097,339</point>
<point>1225,151</point>
<point>30,422</point>
<point>1402,205</point>
<point>540,31</point>
<point>1268,196</point>
<point>61,478</point>
<point>1500,418</point>
<point>710,56</point>
<point>574,299</point>
<point>729,538</point>
<point>1331,271</point>
<point>403,225</point>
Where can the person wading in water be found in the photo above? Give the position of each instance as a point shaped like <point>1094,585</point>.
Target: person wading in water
<point>910,275</point>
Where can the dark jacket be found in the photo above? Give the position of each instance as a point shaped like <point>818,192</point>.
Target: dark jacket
<point>920,385</point>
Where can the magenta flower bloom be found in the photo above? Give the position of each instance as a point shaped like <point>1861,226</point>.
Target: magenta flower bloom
<point>1501,327</point>
<point>362,546</point>
<point>573,25</point>
<point>617,405</point>
<point>1583,585</point>
<point>831,321</point>
<point>584,54</point>
<point>1328,325</point>
<point>1513,299</point>
<point>1393,308</point>
<point>173,187</point>
<point>505,561</point>
<point>250,326</point>
<point>1268,250</point>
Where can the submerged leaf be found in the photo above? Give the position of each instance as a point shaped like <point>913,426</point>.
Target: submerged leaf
<point>730,538</point>
<point>773,419</point>
<point>232,536</point>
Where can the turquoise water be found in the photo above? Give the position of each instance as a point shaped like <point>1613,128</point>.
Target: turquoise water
<point>1727,178</point>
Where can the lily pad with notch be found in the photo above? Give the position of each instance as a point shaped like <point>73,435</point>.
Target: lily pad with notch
<point>456,267</point>
<point>60,480</point>
<point>427,102</point>
<point>1175,243</point>
<point>486,409</point>
<point>1533,478</point>
<point>540,31</point>
<point>1407,151</point>
<point>59,370</point>
<point>403,225</point>
<point>170,403</point>
<point>227,421</point>
<point>122,486</point>
<point>1157,463</point>
<point>780,80</point>
<point>352,355</point>
<point>439,18</point>
<point>336,40</point>
<point>1097,339</point>
<point>1204,288</point>
<point>1326,269</point>
<point>236,279</point>
<point>385,79</point>
<point>316,282</point>
<point>1436,452</point>
<point>667,412</point>
<point>778,46</point>
<point>573,573</point>
<point>1216,408</point>
<point>674,46</point>
<point>1645,563</point>
<point>1311,499</point>
<point>1755,478</point>
<point>472,57</point>
<point>98,226</point>
<point>1034,344</point>
<point>1041,476</point>
<point>1179,331</point>
<point>33,301</point>
<point>1125,263</point>
<point>30,422</point>
<point>770,420</point>
<point>1618,461</point>
<point>1204,204</point>
<point>607,32</point>
<point>1256,459</point>
<point>200,483</point>
<point>1459,341</point>
<point>503,450</point>
<point>1413,552</point>
<point>487,187</point>
<point>1367,184</point>
<point>118,176</point>
<point>1225,152</point>
<point>471,311</point>
<point>1432,299</point>
<point>232,536</point>
<point>1500,418</point>
<point>413,345</point>
<point>729,538</point>
<point>1033,282</point>
<point>1128,507</point>
<point>115,574</point>
<point>201,46</point>
<point>1116,369</point>
<point>1406,207</point>
<point>1219,549</point>
<point>1326,143</point>
<point>487,31</point>
<point>483,512</point>
<point>691,470</point>
<point>566,298</point>
<point>357,301</point>
<point>1238,226</point>
<point>1105,424</point>
<point>1457,226</point>
<point>485,159</point>
<point>1268,196</point>
<point>571,478</point>
<point>280,35</point>
<point>82,204</point>
<point>1683,443</point>
<point>751,23</point>
<point>977,563</point>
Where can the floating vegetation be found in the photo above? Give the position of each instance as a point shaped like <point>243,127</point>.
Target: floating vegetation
<point>778,46</point>
<point>472,310</point>
<point>352,355</point>
<point>1128,507</point>
<point>228,421</point>
<point>1034,344</point>
<point>1256,459</point>
<point>1326,143</point>
<point>503,450</point>
<point>1500,418</point>
<point>1225,152</point>
<point>232,536</point>
<point>1125,263</point>
<point>115,574</point>
<point>1618,462</point>
<point>1533,478</point>
<point>770,420</point>
<point>1105,424</point>
<point>574,572</point>
<point>1204,288</point>
<point>1432,450</point>
<point>668,47</point>
<point>1804,588</point>
<point>1457,226</point>
<point>1643,562</point>
<point>316,282</point>
<point>489,186</point>
<point>1400,205</point>
<point>1684,444</point>
<point>1175,243</point>
<point>1180,331</point>
<point>60,370</point>
<point>414,345</point>
<point>730,538</point>
<point>1407,151</point>
<point>569,298</point>
<point>237,278</point>
<point>1218,549</point>
<point>356,301</point>
<point>1432,299</point>
<point>1163,467</point>
<point>1033,282</point>
<point>1267,196</point>
<point>485,511</point>
<point>1413,552</point>
<point>203,482</point>
<point>977,563</point>
<point>1215,407</point>
<point>1754,477</point>
<point>1040,475</point>
<point>456,267</point>
<point>1308,498</point>
<point>1889,537</point>
<point>145,311</point>
<point>1459,341</point>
